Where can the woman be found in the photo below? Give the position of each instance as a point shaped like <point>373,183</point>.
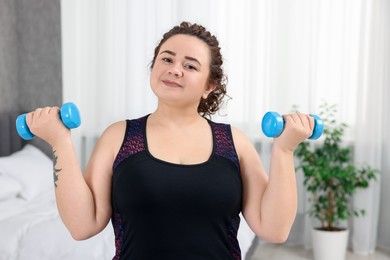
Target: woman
<point>174,182</point>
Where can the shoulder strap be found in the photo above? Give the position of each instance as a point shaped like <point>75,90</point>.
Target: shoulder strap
<point>224,145</point>
<point>134,140</point>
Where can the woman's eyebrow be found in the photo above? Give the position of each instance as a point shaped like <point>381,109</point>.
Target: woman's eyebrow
<point>169,52</point>
<point>186,57</point>
<point>192,59</point>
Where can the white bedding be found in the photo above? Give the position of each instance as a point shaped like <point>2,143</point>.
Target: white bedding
<point>34,230</point>
<point>30,226</point>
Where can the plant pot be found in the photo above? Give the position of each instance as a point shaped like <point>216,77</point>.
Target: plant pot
<point>329,244</point>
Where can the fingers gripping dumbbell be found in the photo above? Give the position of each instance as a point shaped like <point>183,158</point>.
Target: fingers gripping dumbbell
<point>69,114</point>
<point>273,124</point>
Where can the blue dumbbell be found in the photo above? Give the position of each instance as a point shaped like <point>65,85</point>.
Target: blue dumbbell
<point>273,123</point>
<point>69,114</point>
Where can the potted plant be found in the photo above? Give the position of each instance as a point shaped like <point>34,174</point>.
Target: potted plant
<point>331,178</point>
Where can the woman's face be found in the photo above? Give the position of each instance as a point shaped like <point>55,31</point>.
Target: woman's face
<point>180,73</point>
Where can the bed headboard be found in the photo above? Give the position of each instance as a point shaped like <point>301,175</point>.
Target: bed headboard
<point>10,141</point>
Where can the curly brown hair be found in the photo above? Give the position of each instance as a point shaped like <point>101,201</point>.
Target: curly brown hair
<point>217,78</point>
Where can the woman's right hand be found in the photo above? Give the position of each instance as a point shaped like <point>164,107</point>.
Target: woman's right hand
<point>47,125</point>
<point>298,127</point>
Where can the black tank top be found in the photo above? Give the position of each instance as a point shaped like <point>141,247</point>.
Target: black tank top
<point>163,210</point>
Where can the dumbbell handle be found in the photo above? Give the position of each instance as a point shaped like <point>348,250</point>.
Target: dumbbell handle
<point>69,115</point>
<point>273,123</point>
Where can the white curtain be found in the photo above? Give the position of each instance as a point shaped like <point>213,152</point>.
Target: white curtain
<point>277,53</point>
<point>372,125</point>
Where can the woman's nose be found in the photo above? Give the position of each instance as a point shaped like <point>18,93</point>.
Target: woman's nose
<point>176,71</point>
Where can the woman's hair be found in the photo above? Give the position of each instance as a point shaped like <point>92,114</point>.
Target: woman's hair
<point>217,78</point>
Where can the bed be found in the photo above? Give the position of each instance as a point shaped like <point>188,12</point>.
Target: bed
<point>30,226</point>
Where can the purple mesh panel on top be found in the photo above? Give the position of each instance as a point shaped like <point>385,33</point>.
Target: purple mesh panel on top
<point>118,231</point>
<point>224,143</point>
<point>232,235</point>
<point>134,141</point>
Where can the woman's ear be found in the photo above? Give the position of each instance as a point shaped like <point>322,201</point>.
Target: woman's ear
<point>208,90</point>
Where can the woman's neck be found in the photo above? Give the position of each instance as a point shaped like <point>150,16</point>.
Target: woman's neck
<point>175,117</point>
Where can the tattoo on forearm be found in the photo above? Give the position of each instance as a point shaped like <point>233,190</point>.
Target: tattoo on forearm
<point>56,171</point>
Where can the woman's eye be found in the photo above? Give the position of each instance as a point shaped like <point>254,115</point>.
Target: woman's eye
<point>190,67</point>
<point>169,60</point>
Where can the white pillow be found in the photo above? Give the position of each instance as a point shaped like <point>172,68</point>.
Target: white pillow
<point>32,168</point>
<point>9,187</point>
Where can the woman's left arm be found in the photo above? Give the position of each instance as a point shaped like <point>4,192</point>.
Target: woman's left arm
<point>270,201</point>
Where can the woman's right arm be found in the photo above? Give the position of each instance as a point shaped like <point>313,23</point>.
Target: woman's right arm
<point>83,200</point>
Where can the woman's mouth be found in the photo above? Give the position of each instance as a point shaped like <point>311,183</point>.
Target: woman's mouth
<point>171,84</point>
